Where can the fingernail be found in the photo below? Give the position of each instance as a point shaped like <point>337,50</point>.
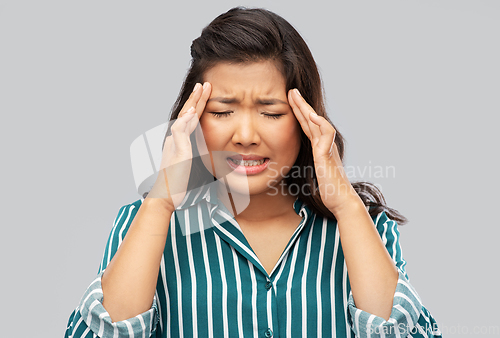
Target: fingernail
<point>190,110</point>
<point>205,85</point>
<point>196,86</point>
<point>298,92</point>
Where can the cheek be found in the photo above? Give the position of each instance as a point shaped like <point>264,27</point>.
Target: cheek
<point>212,133</point>
<point>204,143</point>
<point>211,141</point>
<point>289,137</point>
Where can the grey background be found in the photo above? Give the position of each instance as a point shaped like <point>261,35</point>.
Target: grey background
<point>413,85</point>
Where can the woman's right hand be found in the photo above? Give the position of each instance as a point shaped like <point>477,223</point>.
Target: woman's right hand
<point>177,156</point>
<point>129,281</point>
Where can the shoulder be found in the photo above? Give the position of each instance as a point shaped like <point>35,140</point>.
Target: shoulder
<point>381,219</point>
<point>128,210</point>
<point>384,223</point>
<point>125,216</point>
<point>120,227</point>
<point>133,205</point>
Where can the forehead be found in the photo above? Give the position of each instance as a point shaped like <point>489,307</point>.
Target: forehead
<point>265,75</point>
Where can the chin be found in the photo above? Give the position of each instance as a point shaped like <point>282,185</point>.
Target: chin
<point>249,185</point>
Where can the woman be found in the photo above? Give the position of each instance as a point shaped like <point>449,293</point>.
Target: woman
<point>258,239</point>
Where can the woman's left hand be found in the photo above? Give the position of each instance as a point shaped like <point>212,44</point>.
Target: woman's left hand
<point>335,189</point>
<point>372,273</point>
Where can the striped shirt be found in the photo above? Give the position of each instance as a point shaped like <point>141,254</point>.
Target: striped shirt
<point>211,283</point>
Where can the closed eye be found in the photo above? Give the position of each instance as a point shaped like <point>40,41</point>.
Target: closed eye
<point>227,113</point>
<point>273,116</point>
<point>221,114</point>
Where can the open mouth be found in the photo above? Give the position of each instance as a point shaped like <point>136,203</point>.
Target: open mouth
<point>250,166</point>
<point>247,163</point>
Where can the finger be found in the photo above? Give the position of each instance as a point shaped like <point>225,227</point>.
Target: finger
<point>298,114</point>
<point>180,133</point>
<point>199,107</point>
<point>315,131</point>
<point>324,126</point>
<point>202,102</point>
<point>306,109</point>
<point>325,142</point>
<point>192,99</point>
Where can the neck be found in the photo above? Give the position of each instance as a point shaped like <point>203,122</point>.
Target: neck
<point>263,206</point>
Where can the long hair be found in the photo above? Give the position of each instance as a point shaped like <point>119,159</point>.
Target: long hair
<point>254,34</point>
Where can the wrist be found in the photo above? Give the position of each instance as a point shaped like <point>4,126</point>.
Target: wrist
<point>351,204</point>
<point>162,205</point>
<point>159,195</point>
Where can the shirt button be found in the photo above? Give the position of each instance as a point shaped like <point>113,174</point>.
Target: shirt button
<point>268,333</point>
<point>269,285</point>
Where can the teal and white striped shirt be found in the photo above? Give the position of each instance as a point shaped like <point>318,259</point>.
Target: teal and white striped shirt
<point>211,283</point>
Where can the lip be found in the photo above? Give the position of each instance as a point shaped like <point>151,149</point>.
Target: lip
<point>250,170</point>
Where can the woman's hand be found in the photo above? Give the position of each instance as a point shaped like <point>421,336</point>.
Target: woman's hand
<point>129,281</point>
<point>175,167</point>
<point>372,273</point>
<point>334,186</point>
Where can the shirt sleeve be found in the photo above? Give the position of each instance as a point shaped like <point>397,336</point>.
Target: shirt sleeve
<point>90,319</point>
<point>409,318</point>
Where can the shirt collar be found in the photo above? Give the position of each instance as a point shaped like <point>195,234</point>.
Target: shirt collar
<point>208,192</point>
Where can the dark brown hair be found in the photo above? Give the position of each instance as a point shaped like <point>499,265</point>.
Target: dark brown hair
<point>255,34</point>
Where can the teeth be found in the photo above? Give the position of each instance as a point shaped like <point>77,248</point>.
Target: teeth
<point>248,163</point>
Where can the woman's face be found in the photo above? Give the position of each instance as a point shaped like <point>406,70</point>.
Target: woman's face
<point>247,118</point>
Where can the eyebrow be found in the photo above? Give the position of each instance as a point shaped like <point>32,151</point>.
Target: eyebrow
<point>263,102</point>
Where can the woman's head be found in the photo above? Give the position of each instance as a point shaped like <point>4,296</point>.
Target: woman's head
<point>244,35</point>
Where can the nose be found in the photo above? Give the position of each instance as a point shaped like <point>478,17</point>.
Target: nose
<point>245,131</point>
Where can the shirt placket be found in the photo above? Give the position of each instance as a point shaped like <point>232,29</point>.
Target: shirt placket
<point>228,229</point>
